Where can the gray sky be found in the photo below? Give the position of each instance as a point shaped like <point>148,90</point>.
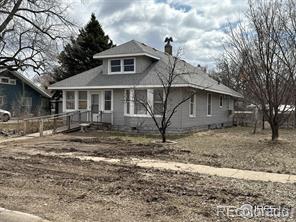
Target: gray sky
<point>196,25</point>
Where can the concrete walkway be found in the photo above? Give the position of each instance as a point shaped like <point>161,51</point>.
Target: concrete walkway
<point>187,167</point>
<point>29,136</point>
<point>15,216</point>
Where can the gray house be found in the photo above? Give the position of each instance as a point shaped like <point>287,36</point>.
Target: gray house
<point>133,69</point>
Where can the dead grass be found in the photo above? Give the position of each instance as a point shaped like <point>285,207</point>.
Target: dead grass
<point>233,147</point>
<point>239,148</point>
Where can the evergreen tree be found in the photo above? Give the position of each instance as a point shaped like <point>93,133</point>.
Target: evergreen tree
<point>77,55</point>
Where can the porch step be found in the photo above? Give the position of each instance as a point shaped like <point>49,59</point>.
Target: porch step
<point>101,126</point>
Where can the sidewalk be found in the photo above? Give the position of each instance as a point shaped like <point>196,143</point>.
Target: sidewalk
<point>187,167</point>
<point>29,136</point>
<point>15,216</point>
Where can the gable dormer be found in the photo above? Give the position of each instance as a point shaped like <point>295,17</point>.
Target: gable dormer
<point>129,58</point>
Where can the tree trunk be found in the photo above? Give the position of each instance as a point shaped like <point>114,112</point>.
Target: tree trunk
<point>163,136</point>
<point>275,131</point>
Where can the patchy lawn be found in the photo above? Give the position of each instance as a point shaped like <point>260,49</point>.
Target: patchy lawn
<point>239,148</point>
<point>61,189</point>
<point>233,147</point>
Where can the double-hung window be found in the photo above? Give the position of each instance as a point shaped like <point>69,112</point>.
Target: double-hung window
<point>82,100</point>
<point>221,101</point>
<point>115,65</point>
<point>108,100</point>
<point>158,101</point>
<point>140,98</point>
<point>121,66</point>
<point>192,106</point>
<point>209,105</point>
<point>27,104</point>
<point>128,65</point>
<point>70,100</point>
<point>127,101</point>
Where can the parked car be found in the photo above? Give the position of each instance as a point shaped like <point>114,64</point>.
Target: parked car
<point>4,115</point>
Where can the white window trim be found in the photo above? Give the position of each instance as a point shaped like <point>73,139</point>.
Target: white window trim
<point>126,101</point>
<point>132,104</point>
<point>122,66</point>
<point>8,79</point>
<point>193,115</point>
<point>65,101</point>
<point>83,100</point>
<point>209,115</point>
<point>89,93</point>
<point>14,81</point>
<point>221,96</point>
<point>108,111</point>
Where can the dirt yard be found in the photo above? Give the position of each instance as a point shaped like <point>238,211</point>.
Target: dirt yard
<point>232,148</point>
<point>68,189</point>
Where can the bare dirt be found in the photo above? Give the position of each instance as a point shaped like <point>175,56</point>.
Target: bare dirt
<point>67,189</point>
<point>233,147</point>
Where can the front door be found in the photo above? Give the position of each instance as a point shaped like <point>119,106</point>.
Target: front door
<point>95,107</point>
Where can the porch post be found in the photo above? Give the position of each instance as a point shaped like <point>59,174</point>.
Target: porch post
<point>76,99</point>
<point>64,101</point>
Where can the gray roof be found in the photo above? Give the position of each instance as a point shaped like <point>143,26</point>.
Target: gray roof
<point>128,48</point>
<point>95,78</point>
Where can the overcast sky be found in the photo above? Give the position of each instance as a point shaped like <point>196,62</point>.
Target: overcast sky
<point>196,25</point>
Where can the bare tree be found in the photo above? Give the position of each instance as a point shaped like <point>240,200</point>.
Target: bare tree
<point>259,46</point>
<point>162,112</point>
<point>29,32</point>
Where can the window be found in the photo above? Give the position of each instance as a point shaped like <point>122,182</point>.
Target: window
<point>209,111</point>
<point>82,100</point>
<point>192,106</point>
<point>2,100</point>
<point>27,104</point>
<point>12,81</point>
<point>127,101</point>
<point>108,100</point>
<point>140,98</point>
<point>129,65</point>
<point>115,65</point>
<point>221,101</point>
<point>70,100</point>
<point>158,101</point>
<point>5,80</point>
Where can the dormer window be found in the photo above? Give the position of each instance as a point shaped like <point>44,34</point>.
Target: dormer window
<point>121,66</point>
<point>115,65</point>
<point>129,65</point>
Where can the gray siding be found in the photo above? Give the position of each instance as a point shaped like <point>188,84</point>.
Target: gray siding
<point>181,120</point>
<point>142,63</point>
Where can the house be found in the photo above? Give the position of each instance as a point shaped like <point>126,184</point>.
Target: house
<point>132,69</point>
<point>21,96</point>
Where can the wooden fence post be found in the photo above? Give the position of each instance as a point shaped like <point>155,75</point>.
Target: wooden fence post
<point>54,125</point>
<point>25,127</point>
<point>41,127</point>
<point>69,121</point>
<point>79,117</point>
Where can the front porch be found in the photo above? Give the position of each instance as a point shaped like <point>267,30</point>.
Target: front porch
<point>99,103</point>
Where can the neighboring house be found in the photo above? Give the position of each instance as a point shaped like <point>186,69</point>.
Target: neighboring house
<point>21,96</point>
<point>132,69</point>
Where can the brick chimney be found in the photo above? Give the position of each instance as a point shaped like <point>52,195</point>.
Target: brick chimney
<point>168,47</point>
